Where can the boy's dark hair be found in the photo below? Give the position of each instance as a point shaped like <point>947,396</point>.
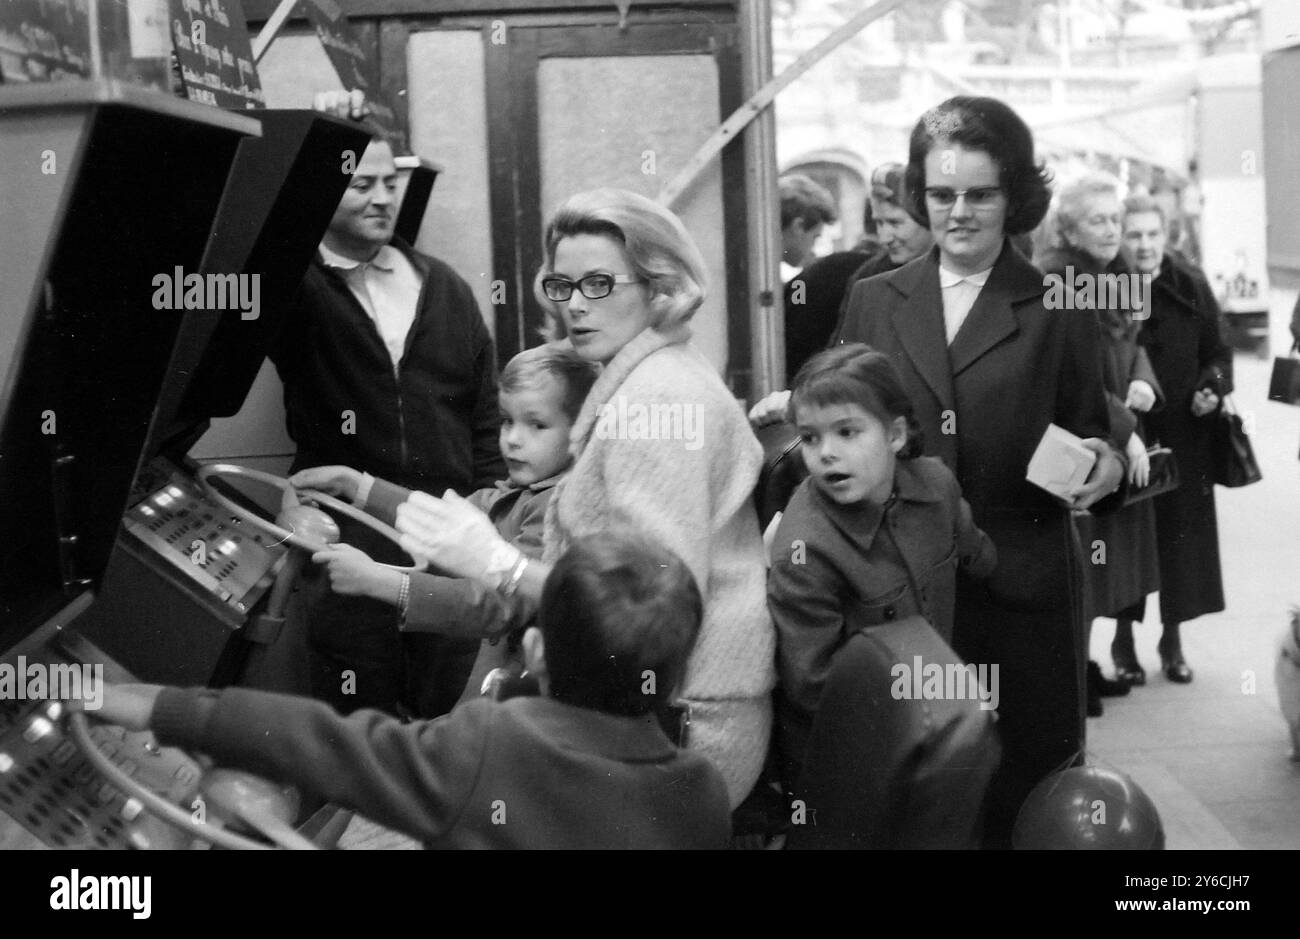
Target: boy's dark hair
<point>854,373</point>
<point>802,198</point>
<point>989,125</point>
<point>618,617</point>
<point>571,370</point>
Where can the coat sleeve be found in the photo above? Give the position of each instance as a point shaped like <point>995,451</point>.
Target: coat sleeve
<point>1144,371</point>
<point>464,608</point>
<point>1212,352</point>
<point>455,606</point>
<point>411,777</point>
<point>976,553</point>
<point>803,596</point>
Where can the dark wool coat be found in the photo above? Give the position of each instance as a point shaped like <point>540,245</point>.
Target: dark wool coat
<point>1013,368</point>
<point>1122,564</point>
<point>1183,336</point>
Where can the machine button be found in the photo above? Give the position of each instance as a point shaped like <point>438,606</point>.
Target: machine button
<point>39,727</point>
<point>64,752</point>
<point>105,794</point>
<point>132,809</point>
<point>6,762</point>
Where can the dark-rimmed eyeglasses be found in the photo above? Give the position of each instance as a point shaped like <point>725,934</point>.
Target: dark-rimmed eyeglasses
<point>977,197</point>
<point>593,286</point>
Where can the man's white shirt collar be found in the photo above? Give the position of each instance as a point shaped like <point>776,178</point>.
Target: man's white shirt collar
<point>383,259</point>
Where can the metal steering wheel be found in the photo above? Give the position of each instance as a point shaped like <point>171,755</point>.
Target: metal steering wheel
<point>286,535</point>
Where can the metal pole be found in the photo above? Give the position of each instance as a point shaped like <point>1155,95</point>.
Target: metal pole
<point>767,323</point>
<point>763,96</point>
<point>272,29</point>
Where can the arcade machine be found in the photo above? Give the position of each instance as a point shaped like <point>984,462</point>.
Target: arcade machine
<point>184,556</point>
<point>104,388</point>
<point>83,354</point>
<point>416,177</point>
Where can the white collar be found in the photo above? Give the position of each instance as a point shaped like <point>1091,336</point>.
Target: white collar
<point>383,259</point>
<point>949,278</point>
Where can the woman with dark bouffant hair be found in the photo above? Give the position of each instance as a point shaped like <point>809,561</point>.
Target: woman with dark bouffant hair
<point>988,366</point>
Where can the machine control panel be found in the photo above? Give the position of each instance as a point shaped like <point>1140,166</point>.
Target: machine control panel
<point>234,562</point>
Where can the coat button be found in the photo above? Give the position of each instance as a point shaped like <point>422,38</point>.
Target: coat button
<point>890,612</point>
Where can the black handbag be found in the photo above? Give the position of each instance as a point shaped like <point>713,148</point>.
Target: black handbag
<point>1284,385</point>
<point>1163,477</point>
<point>1234,458</point>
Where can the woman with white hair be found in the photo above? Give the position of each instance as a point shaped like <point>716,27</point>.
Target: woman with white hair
<point>1121,546</point>
<point>661,447</point>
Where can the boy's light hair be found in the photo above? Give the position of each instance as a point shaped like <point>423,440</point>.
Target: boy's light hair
<point>658,247</point>
<point>573,372</point>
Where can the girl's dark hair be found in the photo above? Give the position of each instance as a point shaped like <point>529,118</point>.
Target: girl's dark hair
<point>855,373</point>
<point>619,615</point>
<point>989,125</point>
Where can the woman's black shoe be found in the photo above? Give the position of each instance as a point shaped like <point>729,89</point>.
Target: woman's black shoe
<point>1102,686</point>
<point>1127,668</point>
<point>1176,670</point>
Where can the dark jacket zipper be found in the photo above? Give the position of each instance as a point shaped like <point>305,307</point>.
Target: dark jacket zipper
<point>342,285</point>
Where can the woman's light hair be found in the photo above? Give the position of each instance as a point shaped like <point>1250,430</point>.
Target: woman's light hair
<point>657,244</point>
<point>1072,201</point>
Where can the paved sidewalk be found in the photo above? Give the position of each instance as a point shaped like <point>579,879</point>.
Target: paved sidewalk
<point>1213,755</point>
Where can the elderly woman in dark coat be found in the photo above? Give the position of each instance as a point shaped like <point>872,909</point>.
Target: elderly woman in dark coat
<point>1183,337</point>
<point>1120,547</point>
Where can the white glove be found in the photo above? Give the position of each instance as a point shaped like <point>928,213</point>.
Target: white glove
<point>456,537</point>
<point>770,410</point>
<point>1139,464</point>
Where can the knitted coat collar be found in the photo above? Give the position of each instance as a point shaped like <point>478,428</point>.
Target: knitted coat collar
<point>612,376</point>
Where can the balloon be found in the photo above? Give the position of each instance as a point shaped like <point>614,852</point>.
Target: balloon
<point>1088,808</point>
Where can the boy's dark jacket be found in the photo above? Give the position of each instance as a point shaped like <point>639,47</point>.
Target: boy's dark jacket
<point>434,425</point>
<point>525,773</point>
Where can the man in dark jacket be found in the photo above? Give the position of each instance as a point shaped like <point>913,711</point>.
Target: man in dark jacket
<point>388,368</point>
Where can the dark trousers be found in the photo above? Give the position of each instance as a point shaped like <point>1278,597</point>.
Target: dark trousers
<point>359,658</point>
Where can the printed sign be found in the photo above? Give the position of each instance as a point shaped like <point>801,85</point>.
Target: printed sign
<point>210,38</point>
<point>349,61</point>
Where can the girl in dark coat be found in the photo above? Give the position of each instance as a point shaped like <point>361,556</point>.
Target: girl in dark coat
<point>1183,337</point>
<point>1122,563</point>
